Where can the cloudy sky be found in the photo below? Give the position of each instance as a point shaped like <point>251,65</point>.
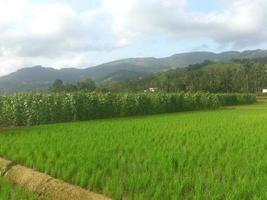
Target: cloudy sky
<point>83,33</point>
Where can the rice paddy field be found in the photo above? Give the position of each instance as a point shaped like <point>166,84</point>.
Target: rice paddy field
<point>217,154</point>
<point>10,192</point>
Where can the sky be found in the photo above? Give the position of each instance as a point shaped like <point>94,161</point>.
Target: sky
<point>85,33</point>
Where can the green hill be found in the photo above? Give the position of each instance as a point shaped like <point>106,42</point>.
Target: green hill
<point>38,77</point>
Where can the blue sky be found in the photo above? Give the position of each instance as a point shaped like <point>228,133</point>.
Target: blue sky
<point>84,33</point>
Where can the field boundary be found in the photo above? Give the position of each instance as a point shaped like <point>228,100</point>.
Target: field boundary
<point>43,185</point>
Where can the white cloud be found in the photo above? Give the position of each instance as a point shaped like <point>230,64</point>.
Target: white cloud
<point>133,18</point>
<point>11,64</point>
<point>49,19</point>
<point>72,59</point>
<point>50,31</point>
<point>54,29</point>
<point>35,30</point>
<point>240,22</point>
<point>11,10</point>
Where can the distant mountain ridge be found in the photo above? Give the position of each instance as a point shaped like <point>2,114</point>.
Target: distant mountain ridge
<point>38,77</point>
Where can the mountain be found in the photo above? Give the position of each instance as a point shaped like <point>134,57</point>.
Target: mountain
<point>123,75</point>
<point>241,76</point>
<point>38,77</point>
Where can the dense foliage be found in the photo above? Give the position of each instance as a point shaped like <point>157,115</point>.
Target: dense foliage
<point>219,154</point>
<point>86,85</point>
<point>240,76</point>
<point>39,108</point>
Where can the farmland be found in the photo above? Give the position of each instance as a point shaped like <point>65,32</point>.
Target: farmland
<point>216,154</point>
<point>41,108</point>
<point>9,192</point>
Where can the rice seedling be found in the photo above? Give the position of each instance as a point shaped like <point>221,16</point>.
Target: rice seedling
<point>10,192</point>
<point>216,154</point>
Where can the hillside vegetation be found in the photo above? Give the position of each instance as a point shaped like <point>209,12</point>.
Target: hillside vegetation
<point>236,76</point>
<point>40,78</point>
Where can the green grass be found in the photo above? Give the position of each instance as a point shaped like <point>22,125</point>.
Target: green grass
<point>10,192</point>
<point>218,154</point>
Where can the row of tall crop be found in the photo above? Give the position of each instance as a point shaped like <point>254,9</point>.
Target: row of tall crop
<point>39,108</point>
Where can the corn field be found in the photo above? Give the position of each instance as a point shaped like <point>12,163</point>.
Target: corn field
<point>40,108</point>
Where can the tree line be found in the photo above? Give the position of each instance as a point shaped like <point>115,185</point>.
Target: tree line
<point>242,76</point>
<point>238,76</point>
<point>86,85</point>
<point>89,85</point>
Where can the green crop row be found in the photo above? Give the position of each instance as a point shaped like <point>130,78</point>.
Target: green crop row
<point>38,108</point>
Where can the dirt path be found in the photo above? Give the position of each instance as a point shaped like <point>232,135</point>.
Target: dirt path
<point>44,186</point>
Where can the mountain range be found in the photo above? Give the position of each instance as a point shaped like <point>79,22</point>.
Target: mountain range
<point>40,78</point>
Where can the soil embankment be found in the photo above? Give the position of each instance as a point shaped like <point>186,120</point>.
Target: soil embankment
<point>43,185</point>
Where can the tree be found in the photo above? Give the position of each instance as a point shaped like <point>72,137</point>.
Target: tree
<point>70,88</point>
<point>114,86</point>
<point>57,86</point>
<point>216,77</point>
<point>87,85</point>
